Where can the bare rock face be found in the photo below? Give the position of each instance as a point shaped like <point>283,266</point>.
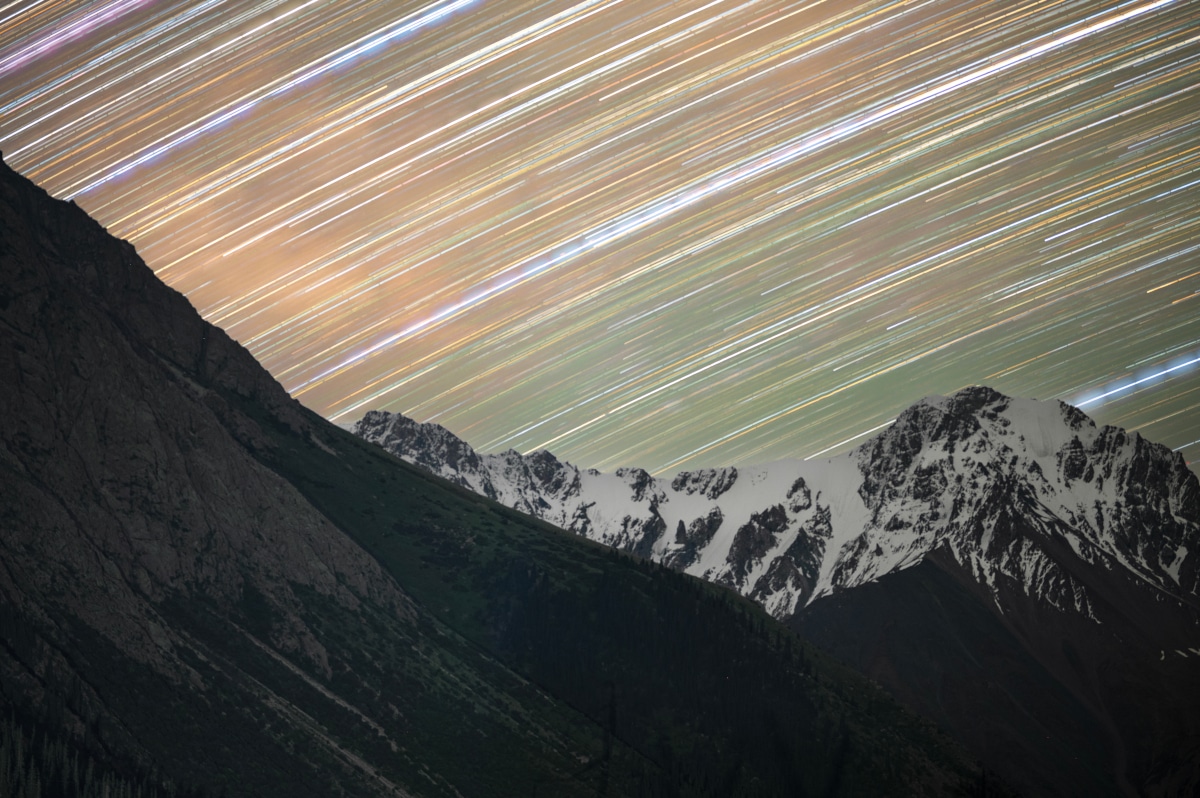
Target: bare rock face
<point>693,537</point>
<point>709,482</point>
<point>753,540</point>
<point>431,446</point>
<point>130,490</point>
<point>125,485</point>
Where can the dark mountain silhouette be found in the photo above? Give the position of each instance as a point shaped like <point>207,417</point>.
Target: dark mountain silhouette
<point>205,586</point>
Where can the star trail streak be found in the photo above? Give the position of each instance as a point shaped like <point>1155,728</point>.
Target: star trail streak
<point>663,234</point>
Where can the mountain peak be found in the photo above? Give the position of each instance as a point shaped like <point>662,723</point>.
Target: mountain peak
<point>981,539</point>
<point>941,473</point>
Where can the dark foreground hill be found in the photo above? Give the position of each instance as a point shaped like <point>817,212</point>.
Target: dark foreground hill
<point>203,581</point>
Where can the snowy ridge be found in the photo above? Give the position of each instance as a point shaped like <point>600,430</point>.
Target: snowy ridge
<point>1004,486</point>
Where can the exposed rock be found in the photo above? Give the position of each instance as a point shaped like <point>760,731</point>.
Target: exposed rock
<point>691,539</point>
<point>753,540</point>
<point>708,482</point>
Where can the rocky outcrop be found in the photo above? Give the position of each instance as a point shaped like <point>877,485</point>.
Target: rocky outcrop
<point>708,482</point>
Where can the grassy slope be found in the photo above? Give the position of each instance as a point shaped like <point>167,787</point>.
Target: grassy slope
<point>690,688</point>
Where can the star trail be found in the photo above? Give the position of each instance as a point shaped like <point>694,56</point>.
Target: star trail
<point>662,234</point>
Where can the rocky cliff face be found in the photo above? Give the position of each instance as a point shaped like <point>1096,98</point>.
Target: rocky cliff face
<point>122,487</point>
<point>131,489</point>
<point>1080,543</point>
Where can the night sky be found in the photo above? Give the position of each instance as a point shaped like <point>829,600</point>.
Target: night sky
<point>637,232</point>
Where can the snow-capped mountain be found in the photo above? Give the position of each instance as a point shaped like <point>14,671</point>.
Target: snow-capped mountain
<point>951,473</point>
<point>1004,566</point>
